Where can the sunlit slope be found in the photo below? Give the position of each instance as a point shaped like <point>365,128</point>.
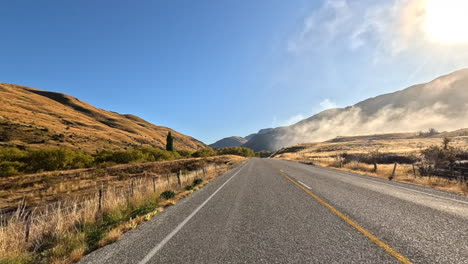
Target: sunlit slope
<point>229,142</point>
<point>35,118</point>
<point>440,104</point>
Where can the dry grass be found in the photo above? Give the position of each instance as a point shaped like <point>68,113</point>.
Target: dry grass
<point>35,118</point>
<point>64,234</point>
<point>51,187</point>
<point>393,146</point>
<point>404,144</point>
<point>403,173</point>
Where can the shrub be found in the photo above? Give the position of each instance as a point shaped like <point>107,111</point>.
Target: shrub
<point>184,153</point>
<point>135,155</point>
<point>204,152</point>
<point>156,154</point>
<point>240,151</point>
<point>189,187</point>
<point>10,168</point>
<point>167,194</point>
<point>197,181</point>
<point>11,154</point>
<point>56,159</point>
<point>263,154</point>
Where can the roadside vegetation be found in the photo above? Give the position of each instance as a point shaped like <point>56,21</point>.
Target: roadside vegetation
<point>443,165</point>
<point>15,161</point>
<point>108,203</point>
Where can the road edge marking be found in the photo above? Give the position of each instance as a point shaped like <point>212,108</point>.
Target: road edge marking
<point>375,179</point>
<point>366,233</point>
<point>183,223</point>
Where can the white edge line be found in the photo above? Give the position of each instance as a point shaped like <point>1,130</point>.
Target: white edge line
<point>305,185</point>
<point>182,224</point>
<point>399,187</point>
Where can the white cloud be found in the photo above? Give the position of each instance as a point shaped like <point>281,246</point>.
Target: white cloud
<point>328,104</point>
<point>322,25</point>
<point>384,28</point>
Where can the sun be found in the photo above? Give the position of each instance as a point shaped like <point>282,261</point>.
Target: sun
<point>446,21</point>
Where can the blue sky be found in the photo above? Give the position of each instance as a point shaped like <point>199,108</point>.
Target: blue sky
<point>212,69</point>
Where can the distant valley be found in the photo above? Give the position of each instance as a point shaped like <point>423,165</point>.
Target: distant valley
<point>440,104</point>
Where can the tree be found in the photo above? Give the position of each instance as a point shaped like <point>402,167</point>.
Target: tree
<point>170,142</point>
<point>446,142</point>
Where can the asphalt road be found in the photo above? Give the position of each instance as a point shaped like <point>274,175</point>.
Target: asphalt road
<point>272,211</point>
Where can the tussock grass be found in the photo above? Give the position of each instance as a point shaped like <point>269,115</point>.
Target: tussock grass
<point>403,173</point>
<point>69,230</point>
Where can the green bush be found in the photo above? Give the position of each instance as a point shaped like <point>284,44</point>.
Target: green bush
<point>239,151</point>
<point>189,187</point>
<point>135,155</point>
<point>56,159</point>
<point>184,153</point>
<point>204,152</point>
<point>156,154</point>
<point>11,154</point>
<point>167,194</point>
<point>10,168</point>
<point>197,181</point>
<point>263,154</point>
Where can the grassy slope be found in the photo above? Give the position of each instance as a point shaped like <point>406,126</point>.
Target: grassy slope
<point>36,118</point>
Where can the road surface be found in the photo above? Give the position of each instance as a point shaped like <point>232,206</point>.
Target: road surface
<point>274,211</point>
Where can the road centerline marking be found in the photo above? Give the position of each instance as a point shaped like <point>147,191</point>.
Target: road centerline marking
<point>366,233</point>
<point>183,223</point>
<point>305,185</point>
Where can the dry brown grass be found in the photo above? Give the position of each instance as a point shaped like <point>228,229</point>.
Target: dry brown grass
<point>35,118</point>
<point>62,235</point>
<point>48,188</point>
<point>325,153</point>
<point>403,173</point>
<point>393,146</point>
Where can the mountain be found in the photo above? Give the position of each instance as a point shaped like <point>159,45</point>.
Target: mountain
<point>35,118</point>
<point>261,131</point>
<point>440,104</point>
<point>229,142</point>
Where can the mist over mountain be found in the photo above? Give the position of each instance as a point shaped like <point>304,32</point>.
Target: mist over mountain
<point>441,104</point>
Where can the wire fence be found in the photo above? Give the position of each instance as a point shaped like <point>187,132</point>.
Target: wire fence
<point>142,184</point>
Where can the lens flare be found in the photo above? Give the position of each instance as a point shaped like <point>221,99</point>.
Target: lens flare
<point>446,21</point>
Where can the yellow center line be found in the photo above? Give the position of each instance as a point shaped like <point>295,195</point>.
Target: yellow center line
<point>373,238</point>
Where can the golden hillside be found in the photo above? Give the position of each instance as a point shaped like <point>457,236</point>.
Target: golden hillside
<point>35,118</point>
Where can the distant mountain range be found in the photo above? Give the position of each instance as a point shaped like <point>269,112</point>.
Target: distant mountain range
<point>441,104</point>
<point>36,118</point>
<point>229,142</point>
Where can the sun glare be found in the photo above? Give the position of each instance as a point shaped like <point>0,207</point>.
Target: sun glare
<point>446,21</point>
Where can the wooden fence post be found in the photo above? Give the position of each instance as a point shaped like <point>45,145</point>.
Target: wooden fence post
<point>132,188</point>
<point>204,172</point>
<point>100,199</point>
<point>414,170</point>
<point>154,185</point>
<point>178,178</point>
<point>28,226</point>
<point>393,173</point>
